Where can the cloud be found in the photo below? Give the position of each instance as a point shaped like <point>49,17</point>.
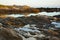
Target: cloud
<point>33,3</point>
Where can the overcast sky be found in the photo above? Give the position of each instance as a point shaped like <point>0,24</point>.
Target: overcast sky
<point>32,3</point>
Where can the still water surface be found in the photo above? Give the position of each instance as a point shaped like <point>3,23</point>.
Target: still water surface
<point>41,13</point>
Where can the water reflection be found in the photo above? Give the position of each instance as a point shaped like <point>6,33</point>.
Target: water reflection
<point>41,13</point>
<point>50,13</point>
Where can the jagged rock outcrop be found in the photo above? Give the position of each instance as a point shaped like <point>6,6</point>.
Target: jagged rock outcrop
<point>11,22</point>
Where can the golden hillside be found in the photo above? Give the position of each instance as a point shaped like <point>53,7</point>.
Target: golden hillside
<point>5,9</point>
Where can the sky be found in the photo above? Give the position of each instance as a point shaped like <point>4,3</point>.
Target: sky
<point>32,3</point>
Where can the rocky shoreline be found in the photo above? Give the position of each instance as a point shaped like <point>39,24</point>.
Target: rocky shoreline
<point>28,28</point>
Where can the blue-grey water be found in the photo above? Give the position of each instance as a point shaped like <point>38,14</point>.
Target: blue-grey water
<point>50,13</point>
<point>57,24</point>
<point>41,13</point>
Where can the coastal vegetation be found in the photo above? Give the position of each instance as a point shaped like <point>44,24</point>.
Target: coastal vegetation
<point>25,10</point>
